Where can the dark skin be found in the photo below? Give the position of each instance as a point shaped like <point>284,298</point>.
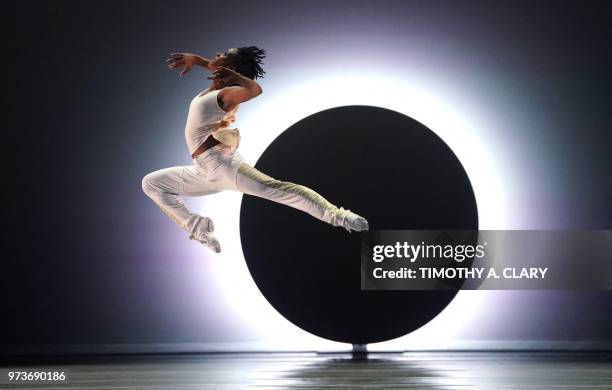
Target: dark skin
<point>224,76</point>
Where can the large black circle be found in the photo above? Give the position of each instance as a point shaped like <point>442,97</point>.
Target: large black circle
<point>379,163</point>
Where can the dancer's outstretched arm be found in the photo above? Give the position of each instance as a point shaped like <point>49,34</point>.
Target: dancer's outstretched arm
<point>236,87</point>
<point>187,61</point>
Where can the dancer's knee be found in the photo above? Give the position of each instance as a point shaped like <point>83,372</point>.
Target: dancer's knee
<point>148,184</point>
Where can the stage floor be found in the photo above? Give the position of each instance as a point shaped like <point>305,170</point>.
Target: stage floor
<point>418,370</point>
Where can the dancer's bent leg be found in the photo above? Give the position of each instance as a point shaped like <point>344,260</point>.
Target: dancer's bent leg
<point>253,182</point>
<point>166,186</point>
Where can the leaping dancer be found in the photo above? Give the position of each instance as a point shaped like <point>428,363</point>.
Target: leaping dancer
<point>213,144</point>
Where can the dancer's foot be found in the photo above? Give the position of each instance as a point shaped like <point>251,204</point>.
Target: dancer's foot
<point>202,232</point>
<point>355,222</point>
<point>207,224</point>
<point>207,239</point>
<point>197,223</point>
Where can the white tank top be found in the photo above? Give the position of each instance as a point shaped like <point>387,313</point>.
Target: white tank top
<point>206,118</point>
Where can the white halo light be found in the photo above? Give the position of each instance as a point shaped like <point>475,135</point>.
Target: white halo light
<point>263,120</point>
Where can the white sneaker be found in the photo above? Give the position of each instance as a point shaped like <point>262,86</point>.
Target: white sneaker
<point>207,239</point>
<point>355,222</point>
<point>202,233</point>
<point>207,224</point>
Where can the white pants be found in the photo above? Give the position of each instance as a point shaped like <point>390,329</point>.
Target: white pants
<point>218,169</point>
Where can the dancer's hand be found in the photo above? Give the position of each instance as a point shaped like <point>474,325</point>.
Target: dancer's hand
<point>186,60</point>
<point>226,76</point>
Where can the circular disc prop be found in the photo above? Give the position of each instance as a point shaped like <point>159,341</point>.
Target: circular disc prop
<point>380,164</point>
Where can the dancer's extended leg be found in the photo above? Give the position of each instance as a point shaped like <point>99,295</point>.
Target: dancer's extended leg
<point>165,188</point>
<point>253,182</point>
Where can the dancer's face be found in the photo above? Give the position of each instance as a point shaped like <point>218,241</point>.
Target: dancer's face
<point>223,59</point>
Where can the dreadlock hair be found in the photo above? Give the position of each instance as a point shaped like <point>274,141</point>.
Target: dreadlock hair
<point>248,61</point>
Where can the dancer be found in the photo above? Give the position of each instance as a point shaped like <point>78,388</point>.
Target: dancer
<point>213,144</point>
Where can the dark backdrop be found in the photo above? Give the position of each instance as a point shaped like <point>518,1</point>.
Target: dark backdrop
<point>91,109</point>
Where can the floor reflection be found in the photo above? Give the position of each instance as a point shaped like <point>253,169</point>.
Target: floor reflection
<point>427,371</point>
<point>360,371</point>
<point>442,371</point>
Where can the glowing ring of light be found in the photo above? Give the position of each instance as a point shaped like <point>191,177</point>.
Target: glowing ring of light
<point>261,123</point>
